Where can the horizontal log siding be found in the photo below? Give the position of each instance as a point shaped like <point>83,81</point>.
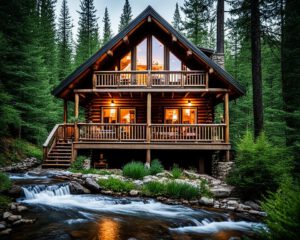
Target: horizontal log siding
<point>204,108</point>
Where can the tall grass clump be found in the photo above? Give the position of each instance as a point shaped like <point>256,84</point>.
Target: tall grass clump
<point>154,188</point>
<point>259,167</point>
<point>116,185</point>
<point>78,163</point>
<point>176,171</point>
<point>181,190</point>
<point>5,184</point>
<point>156,167</point>
<point>135,170</point>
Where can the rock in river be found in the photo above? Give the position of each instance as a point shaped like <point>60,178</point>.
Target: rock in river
<point>91,184</point>
<point>77,188</point>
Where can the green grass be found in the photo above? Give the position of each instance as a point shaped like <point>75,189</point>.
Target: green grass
<point>4,201</point>
<point>172,190</point>
<point>135,170</point>
<point>78,163</point>
<point>116,185</point>
<point>176,171</point>
<point>156,167</point>
<point>5,182</point>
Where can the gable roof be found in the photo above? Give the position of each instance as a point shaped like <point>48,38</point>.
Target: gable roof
<point>149,11</point>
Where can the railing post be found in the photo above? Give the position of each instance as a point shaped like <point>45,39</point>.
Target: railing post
<point>149,79</point>
<point>76,113</point>
<point>148,117</point>
<point>94,80</point>
<point>206,79</point>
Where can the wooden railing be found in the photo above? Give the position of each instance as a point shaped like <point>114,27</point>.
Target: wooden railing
<point>150,79</point>
<point>112,132</point>
<point>158,132</point>
<point>187,132</point>
<point>59,132</point>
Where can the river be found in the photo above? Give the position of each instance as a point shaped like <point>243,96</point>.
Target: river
<point>61,215</point>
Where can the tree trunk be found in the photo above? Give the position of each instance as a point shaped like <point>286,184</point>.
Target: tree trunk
<point>220,26</point>
<point>256,69</point>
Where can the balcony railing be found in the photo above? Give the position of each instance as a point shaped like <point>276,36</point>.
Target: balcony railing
<point>151,79</point>
<point>213,133</point>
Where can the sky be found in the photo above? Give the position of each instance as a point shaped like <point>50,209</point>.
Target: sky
<point>165,8</point>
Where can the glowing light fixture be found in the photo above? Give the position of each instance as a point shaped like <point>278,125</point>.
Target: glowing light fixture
<point>112,103</point>
<point>189,103</point>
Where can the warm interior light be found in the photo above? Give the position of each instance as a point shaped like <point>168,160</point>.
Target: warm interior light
<point>174,117</point>
<point>112,103</point>
<point>189,103</point>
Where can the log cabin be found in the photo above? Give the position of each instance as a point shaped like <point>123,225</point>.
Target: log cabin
<point>148,93</point>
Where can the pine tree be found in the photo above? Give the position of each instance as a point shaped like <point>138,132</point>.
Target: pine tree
<point>126,16</point>
<point>88,36</point>
<point>177,21</point>
<point>107,32</point>
<point>196,20</point>
<point>64,42</point>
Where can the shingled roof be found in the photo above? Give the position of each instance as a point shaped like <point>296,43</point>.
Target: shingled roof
<point>149,11</point>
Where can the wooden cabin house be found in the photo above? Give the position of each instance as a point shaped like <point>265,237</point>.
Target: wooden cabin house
<point>148,90</point>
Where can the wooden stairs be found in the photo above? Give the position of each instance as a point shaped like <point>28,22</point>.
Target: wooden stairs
<point>59,156</point>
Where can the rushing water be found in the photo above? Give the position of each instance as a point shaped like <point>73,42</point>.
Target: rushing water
<point>61,215</point>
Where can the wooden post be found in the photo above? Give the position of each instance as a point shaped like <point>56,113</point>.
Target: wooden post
<point>148,158</point>
<point>94,80</point>
<point>206,79</point>
<point>65,119</point>
<point>226,113</point>
<point>148,117</point>
<point>76,113</point>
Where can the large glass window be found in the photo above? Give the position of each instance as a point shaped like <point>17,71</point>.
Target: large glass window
<point>127,115</point>
<point>175,63</point>
<point>125,64</point>
<point>109,115</point>
<point>141,55</point>
<point>189,115</point>
<point>157,55</point>
<point>171,115</point>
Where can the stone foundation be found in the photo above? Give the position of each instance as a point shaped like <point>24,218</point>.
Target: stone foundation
<point>220,167</point>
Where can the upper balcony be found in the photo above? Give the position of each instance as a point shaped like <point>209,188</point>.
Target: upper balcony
<point>150,79</point>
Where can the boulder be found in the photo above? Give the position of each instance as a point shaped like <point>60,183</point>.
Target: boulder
<point>91,184</point>
<point>24,220</point>
<point>134,193</point>
<point>150,178</point>
<point>15,191</point>
<point>2,226</point>
<point>206,201</point>
<point>6,215</point>
<point>77,188</point>
<point>6,231</point>
<point>221,191</point>
<point>253,205</point>
<point>21,208</point>
<point>233,203</point>
<point>164,174</point>
<point>13,218</point>
<point>191,175</point>
<point>138,183</point>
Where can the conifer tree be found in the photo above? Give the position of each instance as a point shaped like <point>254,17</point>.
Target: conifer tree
<point>107,32</point>
<point>177,21</point>
<point>196,20</point>
<point>64,42</point>
<point>126,16</point>
<point>88,36</point>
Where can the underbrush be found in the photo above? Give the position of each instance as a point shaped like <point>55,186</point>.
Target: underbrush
<point>77,165</point>
<point>116,185</point>
<point>5,184</point>
<point>14,150</point>
<point>176,171</point>
<point>156,167</point>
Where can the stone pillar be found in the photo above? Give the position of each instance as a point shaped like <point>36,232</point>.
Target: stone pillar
<point>219,59</point>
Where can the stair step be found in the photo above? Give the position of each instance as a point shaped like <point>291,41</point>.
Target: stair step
<point>58,157</point>
<point>55,165</point>
<point>51,160</point>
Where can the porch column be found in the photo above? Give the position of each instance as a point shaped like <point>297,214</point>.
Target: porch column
<point>76,113</point>
<point>148,133</point>
<point>226,113</point>
<point>65,111</point>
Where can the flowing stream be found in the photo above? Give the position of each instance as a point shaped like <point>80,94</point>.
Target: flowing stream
<point>61,215</point>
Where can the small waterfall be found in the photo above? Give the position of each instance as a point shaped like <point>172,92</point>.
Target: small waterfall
<point>36,191</point>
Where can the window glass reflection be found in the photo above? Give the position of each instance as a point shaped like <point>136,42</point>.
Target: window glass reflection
<point>141,56</point>
<point>157,55</point>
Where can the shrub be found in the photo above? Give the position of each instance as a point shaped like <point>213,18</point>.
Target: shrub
<point>283,212</point>
<point>156,167</point>
<point>181,190</point>
<point>259,167</point>
<point>204,189</point>
<point>26,149</point>
<point>135,170</point>
<point>78,163</point>
<point>176,171</point>
<point>5,182</point>
<point>154,188</point>
<point>116,185</point>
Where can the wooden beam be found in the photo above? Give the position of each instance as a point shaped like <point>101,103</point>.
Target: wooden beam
<point>159,90</point>
<point>109,94</point>
<point>76,106</point>
<point>172,95</point>
<point>110,53</point>
<point>211,70</point>
<point>219,95</point>
<point>126,40</point>
<point>65,111</point>
<point>185,95</point>
<point>148,158</point>
<point>148,117</point>
<point>174,39</point>
<point>189,52</point>
<point>76,114</point>
<point>149,19</point>
<point>226,113</point>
